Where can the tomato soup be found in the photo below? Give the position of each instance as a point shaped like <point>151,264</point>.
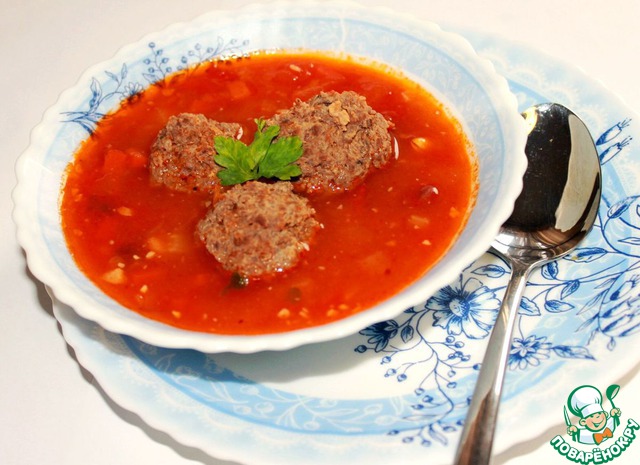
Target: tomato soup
<point>136,240</point>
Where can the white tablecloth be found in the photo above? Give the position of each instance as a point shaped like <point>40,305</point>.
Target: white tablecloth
<point>51,412</point>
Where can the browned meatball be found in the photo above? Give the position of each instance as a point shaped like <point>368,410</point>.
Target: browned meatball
<point>182,154</point>
<point>258,229</point>
<point>342,138</point>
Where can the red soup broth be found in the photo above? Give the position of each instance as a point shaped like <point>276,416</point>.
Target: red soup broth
<point>136,240</point>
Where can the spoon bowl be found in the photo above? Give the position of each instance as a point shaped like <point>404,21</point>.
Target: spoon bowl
<point>556,209</point>
<point>561,188</point>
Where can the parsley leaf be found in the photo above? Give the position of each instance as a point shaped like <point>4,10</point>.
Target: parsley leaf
<point>279,162</point>
<point>265,157</point>
<point>231,155</point>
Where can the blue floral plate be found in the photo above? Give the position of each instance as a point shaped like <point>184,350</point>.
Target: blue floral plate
<point>399,389</point>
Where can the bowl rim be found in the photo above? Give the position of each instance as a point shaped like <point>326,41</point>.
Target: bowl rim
<point>159,334</point>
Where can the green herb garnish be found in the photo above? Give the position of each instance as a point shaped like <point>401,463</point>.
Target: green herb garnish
<point>265,157</point>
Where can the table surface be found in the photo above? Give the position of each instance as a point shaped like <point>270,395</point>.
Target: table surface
<point>51,410</point>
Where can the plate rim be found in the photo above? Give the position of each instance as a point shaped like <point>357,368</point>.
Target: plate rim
<point>614,373</point>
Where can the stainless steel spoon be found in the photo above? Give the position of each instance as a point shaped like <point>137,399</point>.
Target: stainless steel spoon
<point>556,209</point>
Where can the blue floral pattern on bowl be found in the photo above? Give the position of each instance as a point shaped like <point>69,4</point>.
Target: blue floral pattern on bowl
<point>118,87</point>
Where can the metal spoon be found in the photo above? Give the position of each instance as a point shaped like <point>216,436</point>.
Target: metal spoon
<point>556,209</point>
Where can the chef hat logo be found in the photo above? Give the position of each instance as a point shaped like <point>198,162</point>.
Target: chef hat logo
<point>584,401</point>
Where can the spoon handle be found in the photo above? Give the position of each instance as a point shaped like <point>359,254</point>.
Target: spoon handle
<point>477,436</point>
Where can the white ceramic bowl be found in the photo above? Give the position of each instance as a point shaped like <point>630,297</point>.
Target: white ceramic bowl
<point>443,62</point>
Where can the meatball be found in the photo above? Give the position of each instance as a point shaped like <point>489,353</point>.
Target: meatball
<point>342,137</point>
<point>258,228</point>
<point>182,154</point>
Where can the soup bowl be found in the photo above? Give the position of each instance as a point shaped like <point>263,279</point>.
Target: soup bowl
<point>442,62</point>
